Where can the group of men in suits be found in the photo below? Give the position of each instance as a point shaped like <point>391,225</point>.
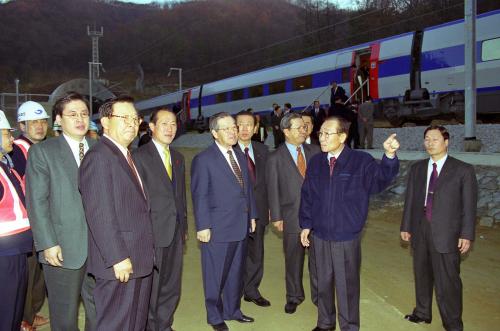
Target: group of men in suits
<point>108,230</point>
<point>109,226</point>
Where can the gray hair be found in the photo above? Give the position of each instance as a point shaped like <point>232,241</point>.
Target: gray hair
<point>286,121</point>
<point>213,122</point>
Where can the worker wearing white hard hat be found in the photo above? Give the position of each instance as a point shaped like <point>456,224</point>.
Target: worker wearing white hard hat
<point>16,240</point>
<point>33,123</point>
<point>32,119</point>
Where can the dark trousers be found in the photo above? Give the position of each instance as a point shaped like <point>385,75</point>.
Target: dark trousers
<point>294,269</point>
<point>338,265</point>
<point>122,306</point>
<point>222,267</point>
<point>65,287</point>
<point>166,288</point>
<point>365,134</point>
<point>254,264</point>
<point>13,282</point>
<point>36,292</point>
<point>440,271</point>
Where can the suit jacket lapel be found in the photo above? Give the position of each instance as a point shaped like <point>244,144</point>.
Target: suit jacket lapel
<point>157,162</point>
<point>291,162</point>
<point>258,159</point>
<point>221,160</point>
<point>444,174</point>
<point>123,163</point>
<point>68,160</point>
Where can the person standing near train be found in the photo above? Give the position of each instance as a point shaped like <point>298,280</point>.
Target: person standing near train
<point>33,123</point>
<point>56,214</point>
<point>333,211</point>
<point>439,221</point>
<point>16,240</point>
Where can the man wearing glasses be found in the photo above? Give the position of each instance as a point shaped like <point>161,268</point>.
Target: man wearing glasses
<point>56,214</point>
<point>333,211</point>
<point>225,212</point>
<point>285,171</point>
<point>117,211</point>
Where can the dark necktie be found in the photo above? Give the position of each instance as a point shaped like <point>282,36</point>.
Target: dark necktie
<point>430,192</point>
<point>236,169</point>
<point>251,165</point>
<point>301,162</point>
<point>333,159</point>
<point>81,153</point>
<point>134,171</point>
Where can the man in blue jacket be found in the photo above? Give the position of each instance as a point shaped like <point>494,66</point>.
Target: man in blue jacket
<point>225,211</point>
<point>333,209</point>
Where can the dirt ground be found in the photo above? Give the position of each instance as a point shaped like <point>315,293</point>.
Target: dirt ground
<point>387,291</point>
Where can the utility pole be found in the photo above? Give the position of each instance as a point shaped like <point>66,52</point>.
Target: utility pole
<point>180,76</point>
<point>471,144</point>
<point>17,93</point>
<point>95,34</point>
<point>94,65</point>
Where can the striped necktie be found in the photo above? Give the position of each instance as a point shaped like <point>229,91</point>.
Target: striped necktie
<point>236,168</point>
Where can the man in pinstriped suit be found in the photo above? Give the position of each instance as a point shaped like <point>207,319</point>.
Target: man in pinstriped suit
<point>117,210</point>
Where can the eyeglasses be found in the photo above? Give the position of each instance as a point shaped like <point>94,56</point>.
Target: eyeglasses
<point>228,129</point>
<point>128,119</point>
<point>303,127</point>
<point>326,134</point>
<point>75,116</point>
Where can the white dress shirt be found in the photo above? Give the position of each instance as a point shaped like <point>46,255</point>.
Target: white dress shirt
<point>74,145</point>
<point>226,155</point>
<point>439,166</point>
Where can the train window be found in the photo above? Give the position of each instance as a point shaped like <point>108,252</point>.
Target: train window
<point>301,83</point>
<point>277,87</point>
<point>256,91</point>
<point>237,95</point>
<point>221,97</point>
<point>490,50</point>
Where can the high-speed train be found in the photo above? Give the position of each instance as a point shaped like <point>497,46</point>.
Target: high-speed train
<point>415,75</point>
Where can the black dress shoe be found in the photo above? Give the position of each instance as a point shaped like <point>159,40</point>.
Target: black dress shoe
<point>415,319</point>
<point>321,329</point>
<point>220,327</point>
<point>245,319</point>
<point>260,301</point>
<point>290,307</point>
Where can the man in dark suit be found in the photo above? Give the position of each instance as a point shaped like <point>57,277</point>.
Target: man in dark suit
<point>57,217</point>
<point>163,174</point>
<point>224,210</point>
<point>285,173</point>
<point>311,137</point>
<point>334,207</point>
<point>439,219</point>
<point>276,117</point>
<point>256,157</point>
<point>117,210</point>
<point>319,115</point>
<point>336,91</point>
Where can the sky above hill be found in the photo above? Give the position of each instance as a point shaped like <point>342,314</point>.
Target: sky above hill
<point>340,3</point>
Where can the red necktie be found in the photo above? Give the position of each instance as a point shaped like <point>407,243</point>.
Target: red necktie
<point>333,159</point>
<point>301,162</point>
<point>430,192</point>
<point>134,171</point>
<point>251,165</point>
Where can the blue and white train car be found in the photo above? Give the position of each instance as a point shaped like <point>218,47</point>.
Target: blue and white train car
<point>414,75</point>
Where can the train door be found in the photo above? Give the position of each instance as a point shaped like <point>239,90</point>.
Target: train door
<point>364,73</point>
